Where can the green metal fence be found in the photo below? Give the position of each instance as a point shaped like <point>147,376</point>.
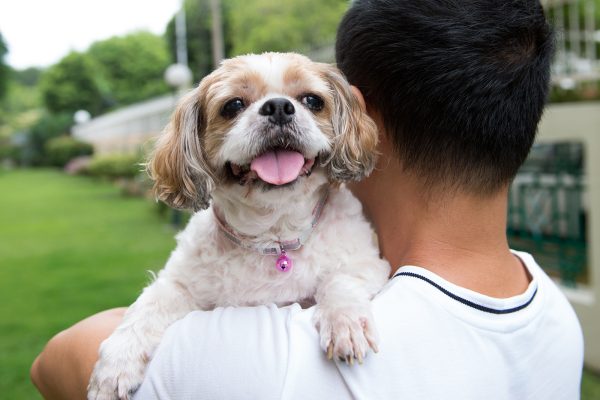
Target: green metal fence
<point>548,212</point>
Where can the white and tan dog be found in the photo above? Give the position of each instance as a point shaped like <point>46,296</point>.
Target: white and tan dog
<point>268,138</point>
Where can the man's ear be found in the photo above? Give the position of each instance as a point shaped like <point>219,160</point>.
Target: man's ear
<point>359,96</point>
<point>182,177</point>
<point>355,143</point>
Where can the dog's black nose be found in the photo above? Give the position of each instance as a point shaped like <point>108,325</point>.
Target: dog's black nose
<point>278,110</point>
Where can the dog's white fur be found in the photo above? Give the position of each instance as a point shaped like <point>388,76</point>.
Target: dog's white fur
<point>338,267</point>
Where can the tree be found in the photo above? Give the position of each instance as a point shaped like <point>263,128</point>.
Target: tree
<point>131,67</point>
<point>72,85</point>
<point>4,71</point>
<point>27,77</point>
<point>269,25</point>
<point>47,127</point>
<point>21,106</point>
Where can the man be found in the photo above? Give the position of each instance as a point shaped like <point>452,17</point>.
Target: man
<point>457,89</point>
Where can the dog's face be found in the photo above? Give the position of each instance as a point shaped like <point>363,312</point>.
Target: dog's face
<point>268,121</point>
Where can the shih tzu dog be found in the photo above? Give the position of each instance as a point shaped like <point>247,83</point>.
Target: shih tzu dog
<point>261,147</point>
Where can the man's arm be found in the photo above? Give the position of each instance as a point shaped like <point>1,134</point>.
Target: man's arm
<point>223,338</point>
<point>228,353</point>
<point>63,368</point>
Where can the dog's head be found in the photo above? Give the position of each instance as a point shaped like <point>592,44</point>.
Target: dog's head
<point>265,120</point>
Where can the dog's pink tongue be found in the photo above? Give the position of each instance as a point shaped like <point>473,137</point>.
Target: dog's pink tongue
<point>278,167</point>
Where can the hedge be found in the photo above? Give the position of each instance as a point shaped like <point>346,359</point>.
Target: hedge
<point>62,149</point>
<point>115,166</point>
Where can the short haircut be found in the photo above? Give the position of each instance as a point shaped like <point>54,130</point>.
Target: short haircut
<point>460,85</point>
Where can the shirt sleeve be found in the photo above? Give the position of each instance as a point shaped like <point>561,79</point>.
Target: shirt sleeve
<point>227,353</point>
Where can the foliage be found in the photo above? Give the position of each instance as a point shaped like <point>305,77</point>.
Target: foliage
<point>269,25</point>
<point>4,71</point>
<point>131,67</point>
<point>8,151</point>
<point>60,150</point>
<point>47,127</point>
<point>28,76</point>
<point>71,85</point>
<point>116,71</point>
<point>590,385</point>
<point>71,246</point>
<point>21,107</point>
<point>115,166</point>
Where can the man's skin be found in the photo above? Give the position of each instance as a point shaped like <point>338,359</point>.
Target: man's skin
<point>459,236</point>
<point>63,369</point>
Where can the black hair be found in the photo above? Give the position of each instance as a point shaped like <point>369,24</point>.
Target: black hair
<point>460,84</point>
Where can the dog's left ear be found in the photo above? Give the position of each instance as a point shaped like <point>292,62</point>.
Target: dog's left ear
<point>182,177</point>
<point>355,143</point>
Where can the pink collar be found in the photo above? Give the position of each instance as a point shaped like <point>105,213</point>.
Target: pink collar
<point>278,247</point>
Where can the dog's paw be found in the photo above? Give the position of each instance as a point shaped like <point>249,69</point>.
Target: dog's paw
<point>116,375</point>
<point>346,333</point>
<point>108,383</point>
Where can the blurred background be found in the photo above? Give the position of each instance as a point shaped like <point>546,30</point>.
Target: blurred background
<point>85,87</point>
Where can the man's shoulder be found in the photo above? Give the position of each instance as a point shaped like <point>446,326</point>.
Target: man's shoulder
<point>447,333</point>
<point>417,305</point>
<point>554,298</point>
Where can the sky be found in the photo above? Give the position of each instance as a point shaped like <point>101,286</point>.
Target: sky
<point>40,32</point>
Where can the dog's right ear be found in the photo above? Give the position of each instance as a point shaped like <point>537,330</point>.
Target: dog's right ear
<point>182,177</point>
<point>354,151</point>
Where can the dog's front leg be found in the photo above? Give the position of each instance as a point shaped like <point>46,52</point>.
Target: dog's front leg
<point>343,315</point>
<point>124,355</point>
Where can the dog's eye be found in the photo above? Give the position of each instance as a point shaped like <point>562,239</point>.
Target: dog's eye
<point>313,102</point>
<point>232,108</point>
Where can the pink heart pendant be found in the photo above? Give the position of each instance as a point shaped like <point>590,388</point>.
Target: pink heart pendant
<point>284,263</point>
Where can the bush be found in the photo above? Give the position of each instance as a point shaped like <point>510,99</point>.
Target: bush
<point>115,166</point>
<point>62,149</point>
<point>48,127</point>
<point>8,151</point>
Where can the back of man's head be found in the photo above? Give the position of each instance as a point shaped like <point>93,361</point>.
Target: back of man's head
<point>460,84</point>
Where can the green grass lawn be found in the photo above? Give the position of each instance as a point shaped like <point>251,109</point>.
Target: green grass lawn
<point>590,386</point>
<point>69,247</point>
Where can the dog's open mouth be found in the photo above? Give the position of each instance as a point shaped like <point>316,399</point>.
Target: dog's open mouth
<point>276,167</point>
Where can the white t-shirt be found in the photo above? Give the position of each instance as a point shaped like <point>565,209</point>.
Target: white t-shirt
<point>437,341</point>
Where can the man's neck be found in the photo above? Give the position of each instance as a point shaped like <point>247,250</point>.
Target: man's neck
<point>460,237</point>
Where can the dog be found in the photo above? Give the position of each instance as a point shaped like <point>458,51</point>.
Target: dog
<point>260,149</point>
